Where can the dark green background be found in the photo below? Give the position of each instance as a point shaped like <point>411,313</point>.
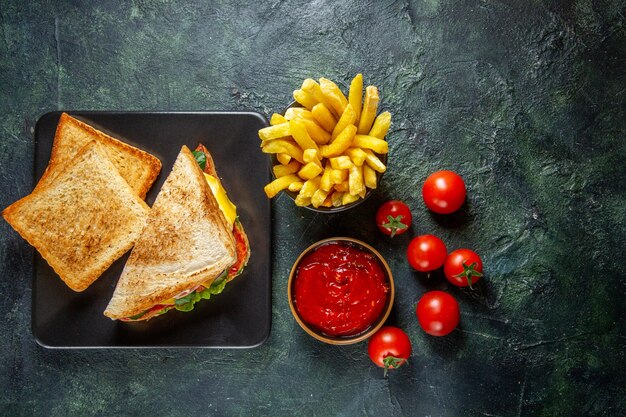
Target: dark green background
<point>525,99</point>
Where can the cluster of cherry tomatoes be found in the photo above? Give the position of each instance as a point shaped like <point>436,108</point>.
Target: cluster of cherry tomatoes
<point>437,311</point>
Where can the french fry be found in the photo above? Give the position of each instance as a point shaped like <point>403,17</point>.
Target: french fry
<point>381,125</point>
<point>310,170</point>
<point>282,170</point>
<point>340,162</point>
<point>283,158</point>
<point>370,142</point>
<point>301,136</point>
<point>369,177</point>
<point>317,132</point>
<point>336,198</point>
<point>355,96</point>
<point>370,106</point>
<point>274,132</point>
<point>302,201</point>
<point>348,198</point>
<point>373,161</point>
<point>348,117</point>
<point>324,117</point>
<point>288,147</point>
<point>328,202</point>
<point>342,187</point>
<point>355,180</point>
<point>340,144</point>
<point>319,197</point>
<point>311,155</point>
<point>325,182</point>
<point>334,95</point>
<point>279,184</point>
<point>304,98</point>
<point>295,186</point>
<point>309,187</point>
<point>357,155</point>
<point>337,176</point>
<point>277,119</point>
<point>298,113</point>
<point>313,88</point>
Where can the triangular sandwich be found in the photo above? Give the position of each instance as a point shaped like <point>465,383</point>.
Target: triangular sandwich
<point>187,245</point>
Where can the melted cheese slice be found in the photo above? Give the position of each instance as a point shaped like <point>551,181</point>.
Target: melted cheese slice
<point>227,207</point>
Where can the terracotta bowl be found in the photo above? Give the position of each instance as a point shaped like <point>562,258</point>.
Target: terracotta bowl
<point>374,326</point>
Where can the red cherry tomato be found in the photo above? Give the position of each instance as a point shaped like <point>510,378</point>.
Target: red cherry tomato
<point>393,218</point>
<point>389,348</point>
<point>437,313</point>
<point>463,267</point>
<point>444,192</point>
<point>426,253</point>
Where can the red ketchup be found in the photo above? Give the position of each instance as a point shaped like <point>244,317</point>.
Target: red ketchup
<point>340,289</point>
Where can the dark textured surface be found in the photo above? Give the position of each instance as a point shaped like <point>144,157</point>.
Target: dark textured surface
<point>526,99</point>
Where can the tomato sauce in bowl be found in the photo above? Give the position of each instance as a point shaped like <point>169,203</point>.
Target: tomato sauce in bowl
<point>339,289</point>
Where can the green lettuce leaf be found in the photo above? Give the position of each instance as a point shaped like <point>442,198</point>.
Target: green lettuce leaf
<point>136,316</point>
<point>187,302</point>
<point>200,158</point>
<point>218,285</point>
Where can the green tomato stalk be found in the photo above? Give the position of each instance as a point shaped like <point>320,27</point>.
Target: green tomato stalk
<point>393,362</point>
<point>469,271</point>
<point>395,224</point>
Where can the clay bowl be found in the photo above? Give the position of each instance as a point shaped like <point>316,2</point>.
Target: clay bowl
<point>374,326</point>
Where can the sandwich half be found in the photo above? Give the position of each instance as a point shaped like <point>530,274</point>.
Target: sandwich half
<point>83,219</point>
<point>187,251</point>
<point>137,167</point>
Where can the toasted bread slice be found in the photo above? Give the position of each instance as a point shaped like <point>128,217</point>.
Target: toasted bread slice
<point>82,220</point>
<point>186,242</point>
<point>137,167</point>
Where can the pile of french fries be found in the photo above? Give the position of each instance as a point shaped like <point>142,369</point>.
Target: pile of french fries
<point>328,150</point>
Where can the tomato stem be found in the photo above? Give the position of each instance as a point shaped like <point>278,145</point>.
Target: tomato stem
<point>469,271</point>
<point>393,362</point>
<point>395,224</point>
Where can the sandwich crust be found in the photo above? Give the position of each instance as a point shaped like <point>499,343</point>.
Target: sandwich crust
<point>186,242</point>
<point>137,167</point>
<point>82,220</point>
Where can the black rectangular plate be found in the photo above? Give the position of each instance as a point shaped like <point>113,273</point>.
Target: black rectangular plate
<point>240,317</point>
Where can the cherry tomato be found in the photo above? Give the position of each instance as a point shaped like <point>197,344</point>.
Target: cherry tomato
<point>426,253</point>
<point>389,348</point>
<point>463,267</point>
<point>393,218</point>
<point>444,192</point>
<point>437,313</point>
